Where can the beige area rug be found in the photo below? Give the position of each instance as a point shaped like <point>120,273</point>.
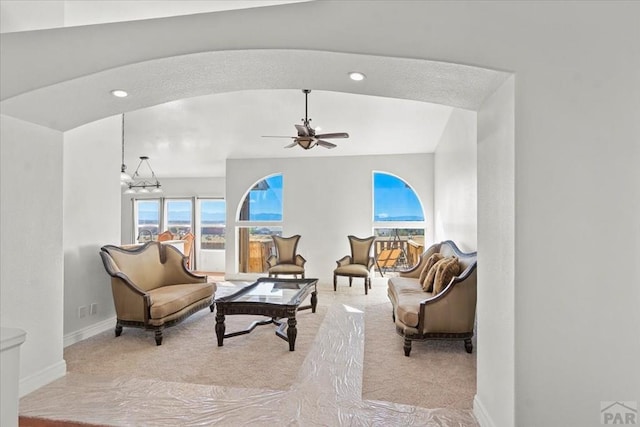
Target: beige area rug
<point>438,374</point>
<point>189,352</point>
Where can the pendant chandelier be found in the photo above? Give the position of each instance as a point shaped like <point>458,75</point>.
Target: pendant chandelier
<point>136,184</point>
<point>139,185</point>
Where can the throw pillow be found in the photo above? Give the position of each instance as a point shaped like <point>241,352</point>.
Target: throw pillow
<point>435,257</point>
<point>427,285</point>
<point>444,274</point>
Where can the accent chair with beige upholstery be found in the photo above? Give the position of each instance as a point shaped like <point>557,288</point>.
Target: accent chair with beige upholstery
<point>358,264</point>
<point>436,299</point>
<point>152,289</point>
<point>286,260</point>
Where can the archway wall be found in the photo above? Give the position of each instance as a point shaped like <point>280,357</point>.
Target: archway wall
<point>577,185</point>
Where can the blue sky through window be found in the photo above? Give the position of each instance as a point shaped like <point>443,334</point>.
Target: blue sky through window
<point>265,200</point>
<point>148,211</point>
<point>394,200</point>
<point>213,211</point>
<point>178,211</point>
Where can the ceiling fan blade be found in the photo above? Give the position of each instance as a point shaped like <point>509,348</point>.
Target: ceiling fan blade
<point>291,145</point>
<point>333,135</point>
<point>325,144</point>
<point>302,130</point>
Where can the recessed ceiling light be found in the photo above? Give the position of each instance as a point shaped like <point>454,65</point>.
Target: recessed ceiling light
<point>357,76</point>
<point>119,93</point>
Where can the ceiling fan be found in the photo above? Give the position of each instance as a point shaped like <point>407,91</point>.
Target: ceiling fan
<point>307,137</point>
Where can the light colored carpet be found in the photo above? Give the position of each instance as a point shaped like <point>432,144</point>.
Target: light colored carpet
<point>189,381</point>
<point>189,352</point>
<point>438,374</point>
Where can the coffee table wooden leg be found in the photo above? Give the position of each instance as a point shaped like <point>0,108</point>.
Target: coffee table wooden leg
<point>314,301</point>
<point>292,333</point>
<point>220,328</point>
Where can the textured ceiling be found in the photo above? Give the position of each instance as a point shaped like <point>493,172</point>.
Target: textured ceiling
<point>203,95</point>
<point>205,130</point>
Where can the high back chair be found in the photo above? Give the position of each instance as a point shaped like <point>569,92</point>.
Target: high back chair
<point>358,264</point>
<point>165,235</point>
<point>188,248</point>
<point>286,260</point>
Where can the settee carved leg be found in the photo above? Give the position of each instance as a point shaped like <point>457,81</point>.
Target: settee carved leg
<point>350,281</point>
<point>118,329</point>
<point>211,307</point>
<point>407,347</point>
<point>335,282</point>
<point>158,336</point>
<point>468,345</point>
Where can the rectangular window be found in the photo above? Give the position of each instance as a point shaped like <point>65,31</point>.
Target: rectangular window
<point>255,246</point>
<point>212,224</point>
<point>178,217</point>
<point>147,219</point>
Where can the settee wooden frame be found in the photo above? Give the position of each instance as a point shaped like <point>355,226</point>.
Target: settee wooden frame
<point>466,278</point>
<point>121,279</point>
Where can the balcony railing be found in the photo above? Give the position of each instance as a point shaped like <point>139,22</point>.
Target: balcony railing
<point>397,253</point>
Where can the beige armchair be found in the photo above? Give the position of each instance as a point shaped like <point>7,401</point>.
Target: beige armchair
<point>358,264</point>
<point>286,260</point>
<point>152,289</point>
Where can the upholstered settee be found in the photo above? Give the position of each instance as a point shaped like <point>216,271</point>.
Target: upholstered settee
<point>152,288</point>
<point>444,308</point>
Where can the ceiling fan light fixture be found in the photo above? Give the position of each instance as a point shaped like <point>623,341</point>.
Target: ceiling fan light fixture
<point>357,76</point>
<point>308,137</point>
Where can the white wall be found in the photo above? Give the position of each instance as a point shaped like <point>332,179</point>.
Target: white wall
<point>324,200</point>
<point>495,397</point>
<point>31,265</point>
<point>91,220</point>
<point>456,171</point>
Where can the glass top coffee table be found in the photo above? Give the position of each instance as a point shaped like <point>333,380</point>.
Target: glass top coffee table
<point>270,297</point>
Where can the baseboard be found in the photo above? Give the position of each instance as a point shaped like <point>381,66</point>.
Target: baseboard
<point>42,377</point>
<point>481,413</point>
<point>89,331</point>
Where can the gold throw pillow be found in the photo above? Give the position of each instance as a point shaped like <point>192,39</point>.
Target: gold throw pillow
<point>427,285</point>
<point>427,266</point>
<point>446,271</point>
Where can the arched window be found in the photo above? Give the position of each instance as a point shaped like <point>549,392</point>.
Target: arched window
<point>398,223</point>
<point>263,201</point>
<point>261,215</point>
